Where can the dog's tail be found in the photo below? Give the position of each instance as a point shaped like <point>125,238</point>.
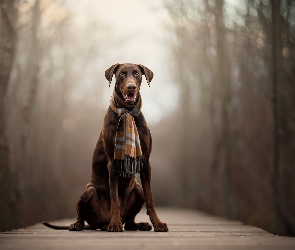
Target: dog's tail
<point>54,226</point>
<point>87,227</point>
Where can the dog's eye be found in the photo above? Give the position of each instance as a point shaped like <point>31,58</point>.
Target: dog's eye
<point>136,74</point>
<point>122,74</point>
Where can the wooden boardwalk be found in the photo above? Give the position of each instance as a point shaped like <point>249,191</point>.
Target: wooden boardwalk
<point>188,230</point>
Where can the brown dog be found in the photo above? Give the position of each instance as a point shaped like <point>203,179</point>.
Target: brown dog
<point>113,197</point>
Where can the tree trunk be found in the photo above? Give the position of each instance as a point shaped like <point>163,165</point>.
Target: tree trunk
<point>25,160</point>
<point>7,50</point>
<point>223,76</point>
<point>279,131</point>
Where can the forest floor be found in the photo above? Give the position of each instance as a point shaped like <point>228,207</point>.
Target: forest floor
<point>187,230</point>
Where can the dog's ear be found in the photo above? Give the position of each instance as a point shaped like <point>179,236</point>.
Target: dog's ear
<point>110,71</point>
<point>147,72</point>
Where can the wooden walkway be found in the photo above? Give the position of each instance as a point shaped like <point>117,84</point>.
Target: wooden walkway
<point>188,230</point>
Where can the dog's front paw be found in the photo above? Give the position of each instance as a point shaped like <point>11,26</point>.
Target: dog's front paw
<point>115,227</point>
<point>161,227</point>
<point>77,226</point>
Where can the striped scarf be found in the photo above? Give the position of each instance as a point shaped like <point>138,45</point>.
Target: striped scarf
<point>127,153</point>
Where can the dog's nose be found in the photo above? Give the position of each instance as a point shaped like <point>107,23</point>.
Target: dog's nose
<point>131,87</point>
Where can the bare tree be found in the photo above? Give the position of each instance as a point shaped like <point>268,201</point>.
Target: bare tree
<point>8,15</point>
<point>279,119</point>
<point>246,88</point>
<point>53,108</point>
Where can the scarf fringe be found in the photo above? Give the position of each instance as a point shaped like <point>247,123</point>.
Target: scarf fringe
<point>129,166</point>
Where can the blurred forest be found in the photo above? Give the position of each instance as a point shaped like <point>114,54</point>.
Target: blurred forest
<point>227,149</point>
<point>236,116</point>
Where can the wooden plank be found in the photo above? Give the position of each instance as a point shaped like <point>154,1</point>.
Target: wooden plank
<point>188,230</point>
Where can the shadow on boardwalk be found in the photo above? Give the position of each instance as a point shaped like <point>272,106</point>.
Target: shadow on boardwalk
<point>188,230</point>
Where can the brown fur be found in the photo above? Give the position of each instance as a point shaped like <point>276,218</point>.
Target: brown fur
<point>110,201</point>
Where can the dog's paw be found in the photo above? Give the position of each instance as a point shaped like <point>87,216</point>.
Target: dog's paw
<point>142,226</point>
<point>76,226</point>
<point>161,227</point>
<point>115,227</point>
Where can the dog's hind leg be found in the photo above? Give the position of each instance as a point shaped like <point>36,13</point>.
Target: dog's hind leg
<point>132,208</point>
<point>82,208</point>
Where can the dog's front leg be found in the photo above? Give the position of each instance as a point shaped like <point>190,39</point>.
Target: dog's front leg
<point>145,176</point>
<point>116,223</point>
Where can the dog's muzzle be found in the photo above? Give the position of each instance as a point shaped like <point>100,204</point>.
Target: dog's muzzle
<point>130,96</point>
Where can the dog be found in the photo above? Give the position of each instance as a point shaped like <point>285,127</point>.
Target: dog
<point>113,197</point>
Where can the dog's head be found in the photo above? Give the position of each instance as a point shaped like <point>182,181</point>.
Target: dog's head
<point>128,79</point>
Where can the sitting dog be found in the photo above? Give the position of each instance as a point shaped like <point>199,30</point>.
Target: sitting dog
<point>113,197</point>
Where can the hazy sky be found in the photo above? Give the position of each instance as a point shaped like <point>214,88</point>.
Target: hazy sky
<point>136,28</point>
<point>132,31</point>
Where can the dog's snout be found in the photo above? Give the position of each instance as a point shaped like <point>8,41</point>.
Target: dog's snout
<point>131,87</point>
